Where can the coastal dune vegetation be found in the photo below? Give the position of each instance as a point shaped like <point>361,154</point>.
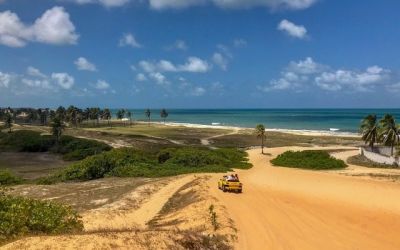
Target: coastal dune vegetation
<point>21,216</point>
<point>128,162</point>
<point>308,159</point>
<point>71,148</point>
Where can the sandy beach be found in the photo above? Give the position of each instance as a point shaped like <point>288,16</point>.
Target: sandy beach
<point>283,208</point>
<point>245,129</point>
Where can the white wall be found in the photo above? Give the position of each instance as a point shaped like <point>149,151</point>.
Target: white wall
<point>379,158</point>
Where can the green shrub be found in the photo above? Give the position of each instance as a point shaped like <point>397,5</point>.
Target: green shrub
<point>22,216</point>
<point>8,178</point>
<point>128,162</point>
<point>25,141</point>
<point>77,148</point>
<point>308,159</point>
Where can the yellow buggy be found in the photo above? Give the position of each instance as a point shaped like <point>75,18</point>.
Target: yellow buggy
<point>228,184</point>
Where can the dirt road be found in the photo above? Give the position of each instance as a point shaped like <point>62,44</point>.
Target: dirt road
<point>283,208</point>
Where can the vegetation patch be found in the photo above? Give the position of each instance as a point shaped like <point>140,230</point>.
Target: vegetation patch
<point>128,162</point>
<point>31,141</point>
<point>8,178</point>
<point>198,241</point>
<point>308,159</point>
<point>22,216</point>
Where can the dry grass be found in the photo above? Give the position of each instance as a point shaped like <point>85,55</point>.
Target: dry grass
<point>83,196</point>
<point>31,165</point>
<point>279,139</point>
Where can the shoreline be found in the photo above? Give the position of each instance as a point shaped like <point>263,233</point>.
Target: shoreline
<point>288,131</point>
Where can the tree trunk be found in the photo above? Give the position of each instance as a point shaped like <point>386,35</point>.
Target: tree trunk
<point>391,152</point>
<point>262,145</point>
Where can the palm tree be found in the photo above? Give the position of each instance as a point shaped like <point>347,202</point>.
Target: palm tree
<point>32,115</point>
<point>94,115</point>
<point>164,114</point>
<point>79,117</point>
<point>2,113</point>
<point>61,113</point>
<point>57,127</point>
<point>86,115</point>
<point>107,115</point>
<point>8,121</point>
<point>129,115</point>
<point>71,115</point>
<point>370,130</point>
<point>147,113</point>
<point>260,132</point>
<point>389,133</point>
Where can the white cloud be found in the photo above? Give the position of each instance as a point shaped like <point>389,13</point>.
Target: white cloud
<point>147,66</point>
<point>195,65</point>
<point>164,65</point>
<point>220,60</point>
<point>159,78</point>
<point>239,43</point>
<point>225,50</point>
<point>288,80</point>
<point>83,64</point>
<point>102,85</point>
<point>357,80</point>
<point>298,31</point>
<point>64,80</point>
<point>232,4</point>
<point>35,72</point>
<point>106,3</point>
<point>141,77</point>
<point>175,4</point>
<point>129,40</point>
<point>53,27</point>
<point>5,79</point>
<point>41,83</point>
<point>306,73</point>
<point>178,45</point>
<point>198,91</point>
<point>306,66</point>
<point>273,4</point>
<point>192,64</point>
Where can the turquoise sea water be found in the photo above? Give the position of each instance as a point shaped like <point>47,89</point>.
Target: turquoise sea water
<point>345,120</point>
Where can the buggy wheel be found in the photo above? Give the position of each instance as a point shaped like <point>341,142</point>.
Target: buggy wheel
<point>224,189</point>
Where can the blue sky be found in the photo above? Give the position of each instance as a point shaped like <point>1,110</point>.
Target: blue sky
<point>200,53</point>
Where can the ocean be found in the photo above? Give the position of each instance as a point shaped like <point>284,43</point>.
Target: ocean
<point>325,120</point>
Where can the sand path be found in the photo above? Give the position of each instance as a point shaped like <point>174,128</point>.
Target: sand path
<point>206,141</point>
<point>112,218</point>
<point>283,208</point>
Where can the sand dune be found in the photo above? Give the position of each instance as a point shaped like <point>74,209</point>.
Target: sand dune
<point>285,208</point>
